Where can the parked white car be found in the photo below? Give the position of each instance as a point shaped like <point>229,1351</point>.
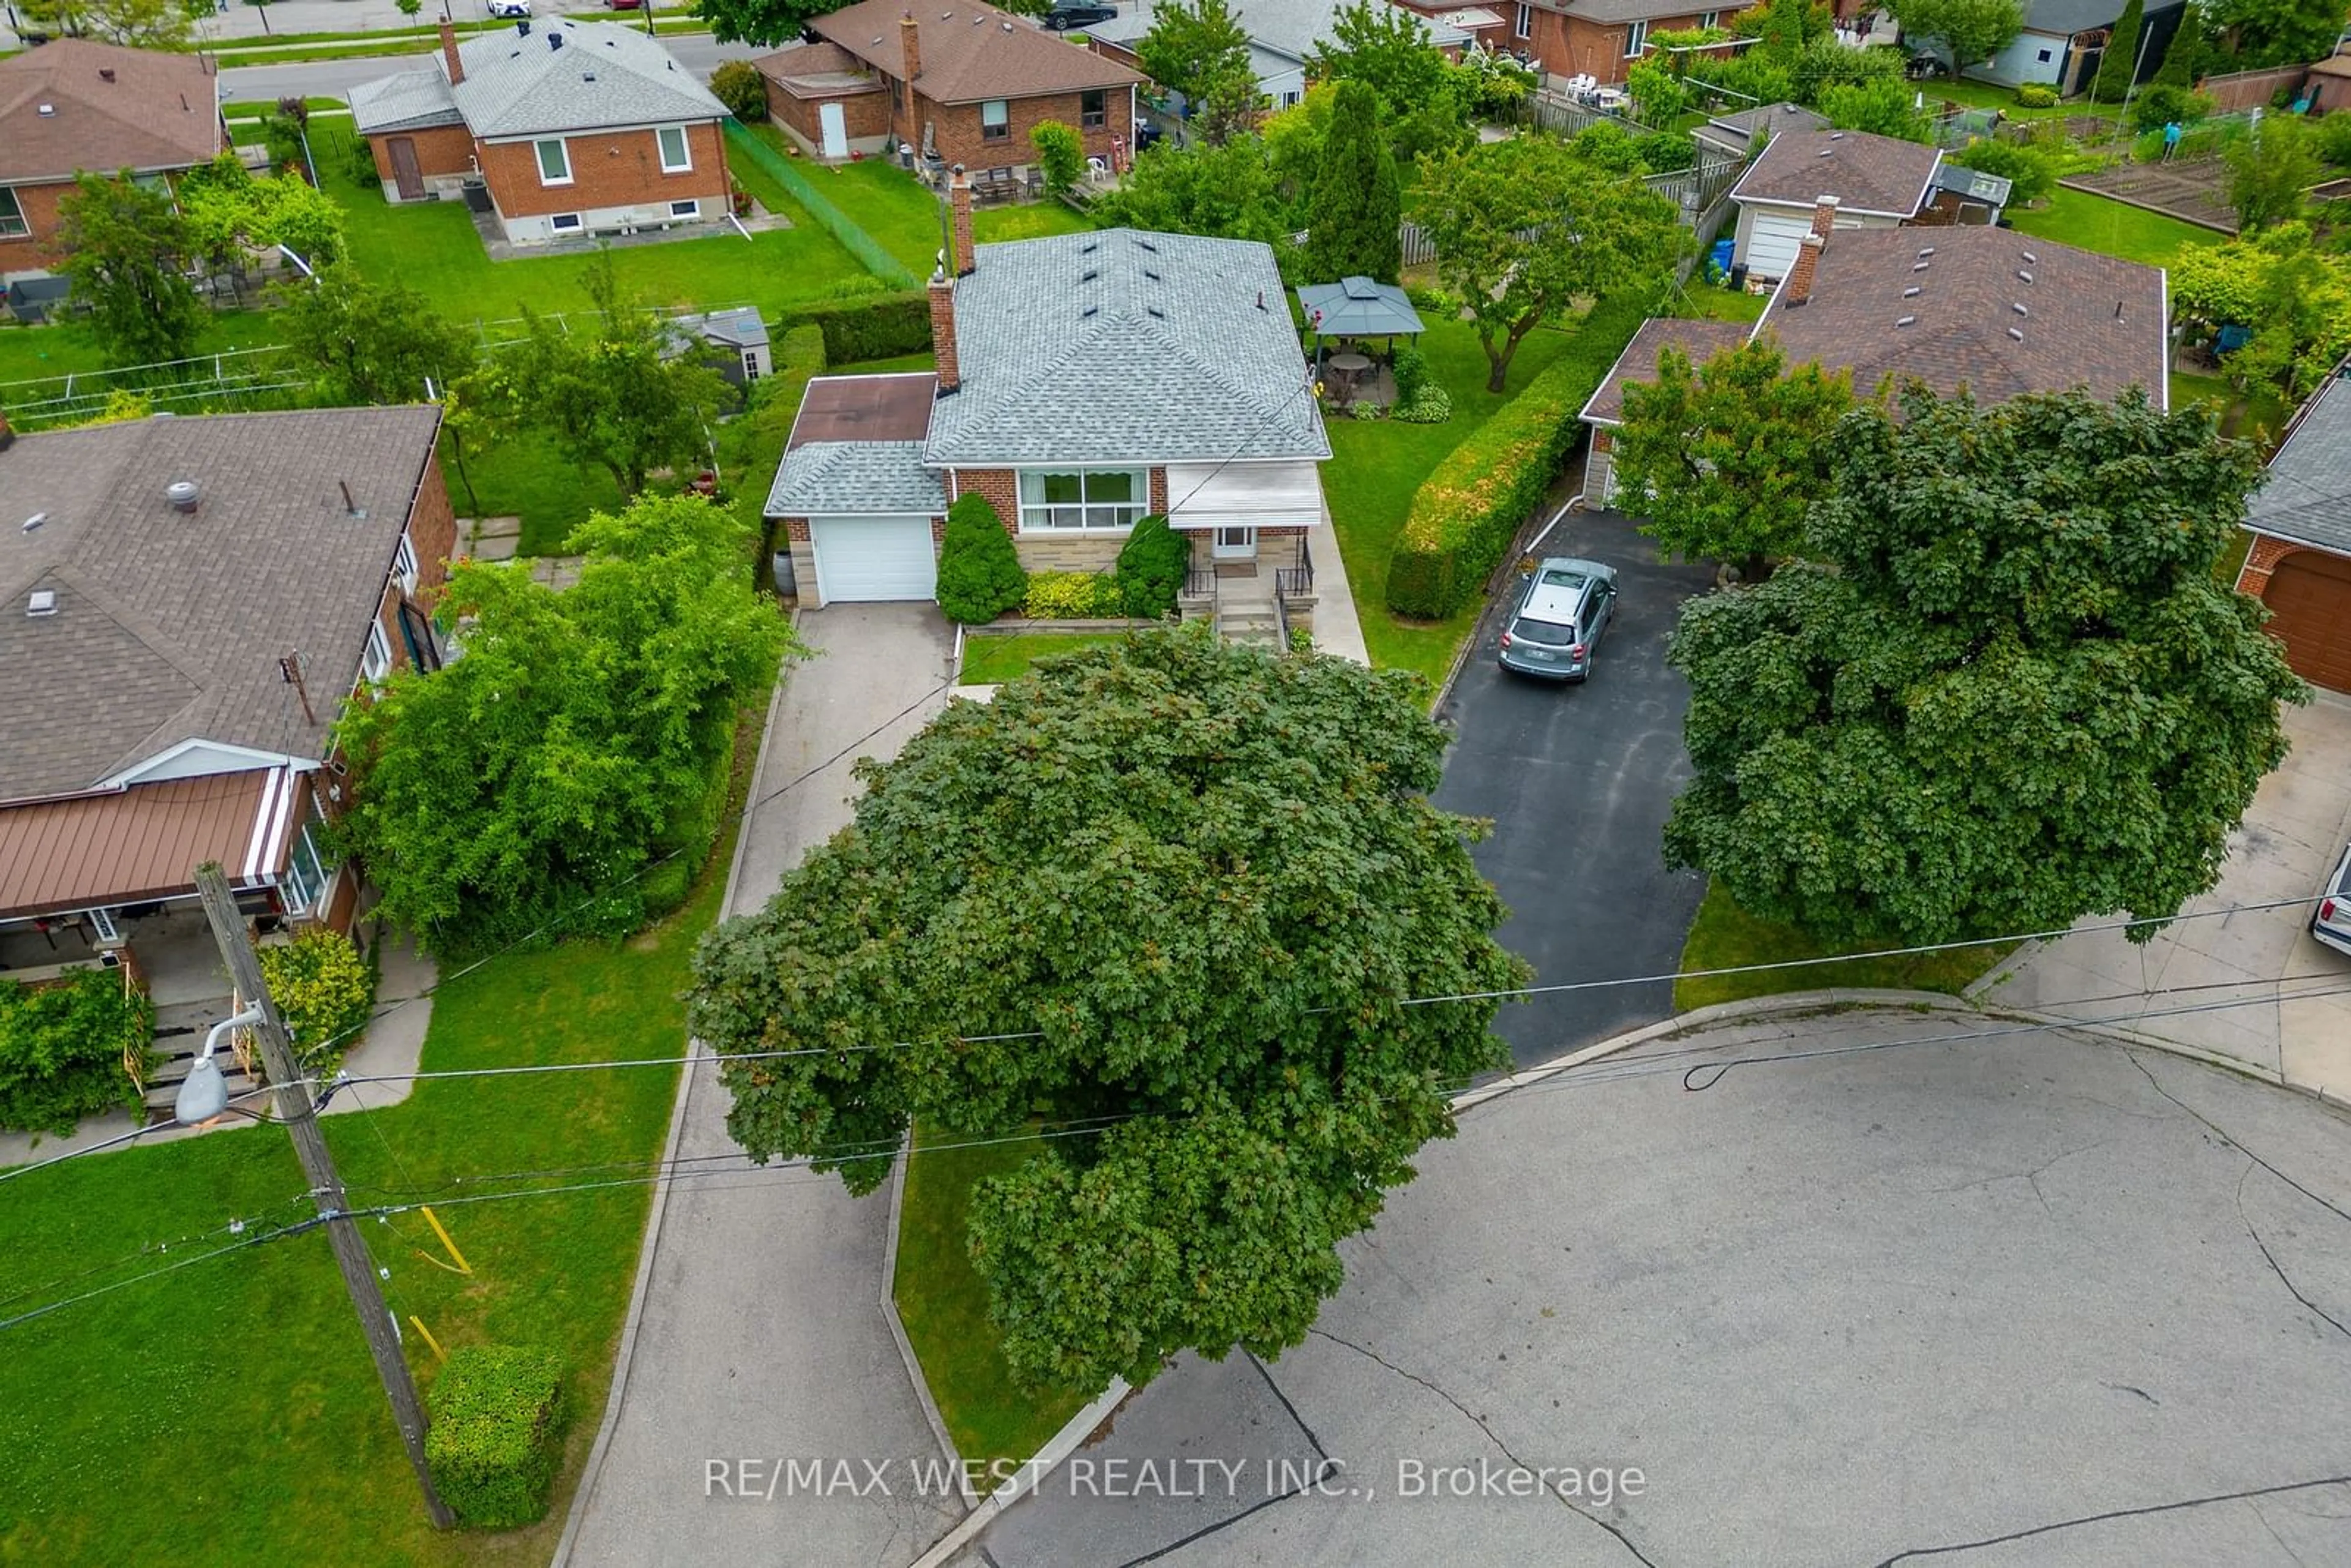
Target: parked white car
<point>2331,921</point>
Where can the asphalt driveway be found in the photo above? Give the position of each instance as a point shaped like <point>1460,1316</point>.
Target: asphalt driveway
<point>1577,780</point>
<point>2024,1301</point>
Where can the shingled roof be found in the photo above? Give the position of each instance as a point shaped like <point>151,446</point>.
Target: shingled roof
<point>1701,340</point>
<point>169,627</point>
<point>562,76</point>
<point>970,51</point>
<point>2308,496</point>
<point>72,105</point>
<point>1875,175</point>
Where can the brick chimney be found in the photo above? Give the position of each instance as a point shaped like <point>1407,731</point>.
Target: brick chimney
<point>1824,210</point>
<point>449,54</point>
<point>943,330</point>
<point>959,203</point>
<point>1798,287</point>
<point>910,44</point>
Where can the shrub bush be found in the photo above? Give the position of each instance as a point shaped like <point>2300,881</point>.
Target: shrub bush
<point>2035,95</point>
<point>496,1433</point>
<point>2031,173</point>
<point>326,991</point>
<point>2163,103</point>
<point>1060,155</point>
<point>1668,152</point>
<point>62,1049</point>
<point>1433,304</point>
<point>878,326</point>
<point>738,85</point>
<point>1432,404</point>
<point>1467,512</point>
<point>801,349</point>
<point>2330,134</point>
<point>1073,596</point>
<point>980,571</point>
<point>1151,567</point>
<point>1411,371</point>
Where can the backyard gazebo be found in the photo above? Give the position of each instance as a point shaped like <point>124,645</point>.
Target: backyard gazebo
<point>1355,308</point>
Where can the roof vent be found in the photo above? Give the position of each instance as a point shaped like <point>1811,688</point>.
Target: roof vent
<point>1920,265</point>
<point>1090,311</point>
<point>43,601</point>
<point>2016,333</point>
<point>1148,246</point>
<point>1087,275</point>
<point>2031,259</point>
<point>1924,253</point>
<point>1905,320</point>
<point>1825,152</point>
<point>1153,276</point>
<point>1836,135</point>
<point>34,521</point>
<point>2023,275</point>
<point>183,494</point>
<point>554,40</point>
<point>48,109</point>
<point>2020,310</point>
<point>587,76</point>
<point>106,73</point>
<point>1089,247</point>
<point>1911,292</point>
<point>1155,312</point>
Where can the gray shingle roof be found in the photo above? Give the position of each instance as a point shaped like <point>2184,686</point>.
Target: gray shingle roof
<point>849,477</point>
<point>409,102</point>
<point>1122,345</point>
<point>565,75</point>
<point>2308,496</point>
<point>169,627</point>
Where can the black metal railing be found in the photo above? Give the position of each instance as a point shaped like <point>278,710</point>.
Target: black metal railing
<point>1199,582</point>
<point>1296,582</point>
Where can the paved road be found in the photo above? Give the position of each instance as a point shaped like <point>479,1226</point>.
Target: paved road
<point>697,52</point>
<point>762,1336</point>
<point>2013,1303</point>
<point>1577,780</point>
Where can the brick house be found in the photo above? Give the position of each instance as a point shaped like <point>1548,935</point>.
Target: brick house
<point>961,84</point>
<point>2300,562</point>
<point>183,611</point>
<point>567,129</point>
<point>1987,310</point>
<point>73,105</point>
<point>1599,38</point>
<point>1083,381</point>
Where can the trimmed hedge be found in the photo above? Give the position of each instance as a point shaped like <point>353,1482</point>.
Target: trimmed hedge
<point>62,1049</point>
<point>1073,596</point>
<point>1467,512</point>
<point>496,1433</point>
<point>877,327</point>
<point>981,575</point>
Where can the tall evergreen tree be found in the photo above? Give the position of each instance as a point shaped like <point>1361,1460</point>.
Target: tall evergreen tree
<point>2185,55</point>
<point>1357,202</point>
<point>2119,67</point>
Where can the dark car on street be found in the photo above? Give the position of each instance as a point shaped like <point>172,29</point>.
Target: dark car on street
<point>1061,18</point>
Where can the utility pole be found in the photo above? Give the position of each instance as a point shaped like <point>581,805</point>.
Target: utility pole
<point>302,1118</point>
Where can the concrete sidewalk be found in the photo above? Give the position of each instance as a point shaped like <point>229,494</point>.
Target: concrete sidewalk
<point>2263,960</point>
<point>760,1333</point>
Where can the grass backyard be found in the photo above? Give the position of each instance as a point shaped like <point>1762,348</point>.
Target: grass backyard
<point>944,1307</point>
<point>990,661</point>
<point>1726,936</point>
<point>236,1395</point>
<point>2115,228</point>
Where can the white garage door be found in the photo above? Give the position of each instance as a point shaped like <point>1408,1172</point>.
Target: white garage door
<point>1771,243</point>
<point>865,558</point>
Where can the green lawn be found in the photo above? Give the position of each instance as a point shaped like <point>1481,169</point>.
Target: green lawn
<point>69,347</point>
<point>2116,228</point>
<point>238,1394</point>
<point>991,660</point>
<point>2258,417</point>
<point>1701,303</point>
<point>943,1306</point>
<point>1377,466</point>
<point>1726,936</point>
<point>1991,95</point>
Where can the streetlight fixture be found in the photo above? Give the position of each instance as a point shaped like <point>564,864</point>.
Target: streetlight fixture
<point>204,1094</point>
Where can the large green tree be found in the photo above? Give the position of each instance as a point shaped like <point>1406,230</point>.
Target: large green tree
<point>1723,460</point>
<point>1969,30</point>
<point>1883,107</point>
<point>1356,204</point>
<point>583,733</point>
<point>2275,32</point>
<point>2118,67</point>
<point>2270,168</point>
<point>766,23</point>
<point>1524,227</point>
<point>2183,57</point>
<point>2295,295</point>
<point>1424,99</point>
<point>2010,695</point>
<point>372,342</point>
<point>128,254</point>
<point>1197,884</point>
<point>1192,45</point>
<point>1226,192</point>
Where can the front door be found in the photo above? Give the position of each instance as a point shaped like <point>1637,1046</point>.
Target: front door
<point>406,178</point>
<point>1234,544</point>
<point>834,125</point>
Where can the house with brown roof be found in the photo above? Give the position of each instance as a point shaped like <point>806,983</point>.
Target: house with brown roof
<point>186,605</point>
<point>568,130</point>
<point>73,105</point>
<point>1879,181</point>
<point>1600,38</point>
<point>964,83</point>
<point>1984,311</point>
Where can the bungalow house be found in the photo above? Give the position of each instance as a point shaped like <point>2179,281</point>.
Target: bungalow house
<point>184,605</point>
<point>1879,183</point>
<point>1735,134</point>
<point>963,84</point>
<point>2299,563</point>
<point>564,129</point>
<point>1987,309</point>
<point>1601,38</point>
<point>2065,40</point>
<point>1282,35</point>
<point>73,105</point>
<point>1084,380</point>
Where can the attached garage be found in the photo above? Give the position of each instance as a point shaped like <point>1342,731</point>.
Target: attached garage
<point>2309,595</point>
<point>2300,560</point>
<point>862,559</point>
<point>1773,238</point>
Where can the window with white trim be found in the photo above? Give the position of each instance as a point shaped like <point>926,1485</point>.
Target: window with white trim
<point>1290,101</point>
<point>1093,109</point>
<point>685,209</point>
<point>1100,500</point>
<point>554,161</point>
<point>1707,19</point>
<point>12,216</point>
<point>1525,26</point>
<point>403,565</point>
<point>995,120</point>
<point>564,222</point>
<point>1636,39</point>
<point>307,870</point>
<point>375,659</point>
<point>677,157</point>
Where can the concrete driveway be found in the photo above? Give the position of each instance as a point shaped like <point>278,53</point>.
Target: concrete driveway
<point>1577,780</point>
<point>759,1334</point>
<point>2035,1300</point>
<point>2263,960</point>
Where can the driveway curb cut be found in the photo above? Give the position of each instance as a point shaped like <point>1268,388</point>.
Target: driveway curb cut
<point>1060,1446</point>
<point>618,1389</point>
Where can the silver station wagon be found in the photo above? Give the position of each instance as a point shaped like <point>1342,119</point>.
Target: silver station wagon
<point>1564,608</point>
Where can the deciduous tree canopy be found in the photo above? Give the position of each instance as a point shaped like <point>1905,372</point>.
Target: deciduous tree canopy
<point>1204,881</point>
<point>128,251</point>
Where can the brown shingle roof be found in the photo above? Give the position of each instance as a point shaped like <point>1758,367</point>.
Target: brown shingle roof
<point>1865,174</point>
<point>157,111</point>
<point>970,51</point>
<point>169,627</point>
<point>1701,340</point>
<point>128,846</point>
<point>2086,319</point>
